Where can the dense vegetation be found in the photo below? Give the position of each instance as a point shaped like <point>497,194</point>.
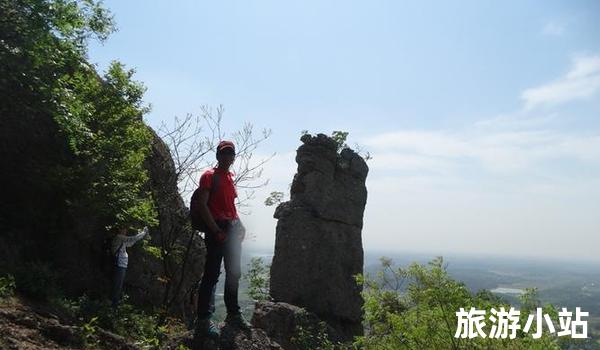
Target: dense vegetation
<point>52,101</point>
<point>415,308</point>
<point>44,71</point>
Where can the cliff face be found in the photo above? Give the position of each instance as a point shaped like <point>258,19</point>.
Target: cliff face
<point>170,279</point>
<point>41,222</point>
<point>318,247</point>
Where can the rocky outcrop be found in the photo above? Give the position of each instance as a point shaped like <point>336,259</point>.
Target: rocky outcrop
<point>43,227</point>
<point>28,328</point>
<point>230,339</point>
<point>318,247</point>
<point>283,322</point>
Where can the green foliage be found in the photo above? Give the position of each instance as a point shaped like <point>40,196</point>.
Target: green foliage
<point>88,332</point>
<point>153,250</point>
<point>421,315</point>
<point>340,138</point>
<point>139,326</point>
<point>274,198</point>
<point>314,337</point>
<point>43,71</point>
<point>43,41</point>
<point>102,122</point>
<point>7,286</point>
<point>258,279</point>
<point>37,280</point>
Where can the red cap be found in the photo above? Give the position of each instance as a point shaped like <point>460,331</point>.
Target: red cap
<point>225,144</point>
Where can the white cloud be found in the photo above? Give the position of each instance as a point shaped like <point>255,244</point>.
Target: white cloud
<point>581,82</point>
<point>402,161</point>
<point>428,143</point>
<point>495,151</point>
<point>553,29</point>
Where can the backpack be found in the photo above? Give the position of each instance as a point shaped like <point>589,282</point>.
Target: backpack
<point>195,216</point>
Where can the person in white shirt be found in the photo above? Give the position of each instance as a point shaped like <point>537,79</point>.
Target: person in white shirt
<point>120,243</point>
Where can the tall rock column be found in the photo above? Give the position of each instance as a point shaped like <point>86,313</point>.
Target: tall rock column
<point>318,247</point>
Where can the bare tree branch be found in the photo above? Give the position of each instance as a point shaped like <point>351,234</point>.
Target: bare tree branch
<point>191,142</point>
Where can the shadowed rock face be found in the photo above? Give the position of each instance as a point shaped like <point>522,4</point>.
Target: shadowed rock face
<point>38,221</point>
<point>318,247</point>
<point>144,271</point>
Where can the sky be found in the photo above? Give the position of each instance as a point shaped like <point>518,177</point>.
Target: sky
<point>482,117</point>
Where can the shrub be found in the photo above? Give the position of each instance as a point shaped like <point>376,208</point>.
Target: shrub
<point>7,286</point>
<point>422,316</point>
<point>258,279</point>
<point>308,337</point>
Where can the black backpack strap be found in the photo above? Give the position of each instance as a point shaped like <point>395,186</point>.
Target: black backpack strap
<point>118,249</point>
<point>215,183</point>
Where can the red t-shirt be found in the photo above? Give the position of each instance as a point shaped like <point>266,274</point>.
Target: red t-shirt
<point>221,202</point>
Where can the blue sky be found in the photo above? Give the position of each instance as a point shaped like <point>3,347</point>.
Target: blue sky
<point>482,116</point>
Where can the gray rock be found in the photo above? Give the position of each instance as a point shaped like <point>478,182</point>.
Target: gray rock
<point>254,339</point>
<point>318,247</point>
<point>283,321</point>
<point>230,339</point>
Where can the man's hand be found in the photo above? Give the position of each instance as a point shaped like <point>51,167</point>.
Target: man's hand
<point>241,231</point>
<point>144,232</point>
<point>220,236</point>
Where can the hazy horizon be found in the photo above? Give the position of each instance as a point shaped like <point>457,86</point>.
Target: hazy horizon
<point>251,248</point>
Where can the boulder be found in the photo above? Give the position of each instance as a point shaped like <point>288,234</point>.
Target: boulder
<point>282,322</point>
<point>318,246</point>
<point>230,339</point>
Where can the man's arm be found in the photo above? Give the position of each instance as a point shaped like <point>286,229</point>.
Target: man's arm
<point>205,212</point>
<point>130,241</point>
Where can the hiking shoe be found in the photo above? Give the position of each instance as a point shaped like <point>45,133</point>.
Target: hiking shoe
<point>237,320</point>
<point>207,328</point>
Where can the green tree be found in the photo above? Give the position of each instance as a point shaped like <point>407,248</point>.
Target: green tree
<point>414,308</point>
<point>43,72</point>
<point>274,198</point>
<point>258,279</point>
<point>340,138</point>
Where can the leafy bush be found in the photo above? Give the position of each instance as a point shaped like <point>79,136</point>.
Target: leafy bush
<point>314,337</point>
<point>340,139</point>
<point>7,286</point>
<point>140,326</point>
<point>88,332</point>
<point>422,316</point>
<point>258,279</point>
<point>102,121</point>
<point>44,72</point>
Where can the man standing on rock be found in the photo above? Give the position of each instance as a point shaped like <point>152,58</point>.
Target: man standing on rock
<point>223,239</point>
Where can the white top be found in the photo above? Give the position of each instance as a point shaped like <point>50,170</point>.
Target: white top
<point>121,242</point>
